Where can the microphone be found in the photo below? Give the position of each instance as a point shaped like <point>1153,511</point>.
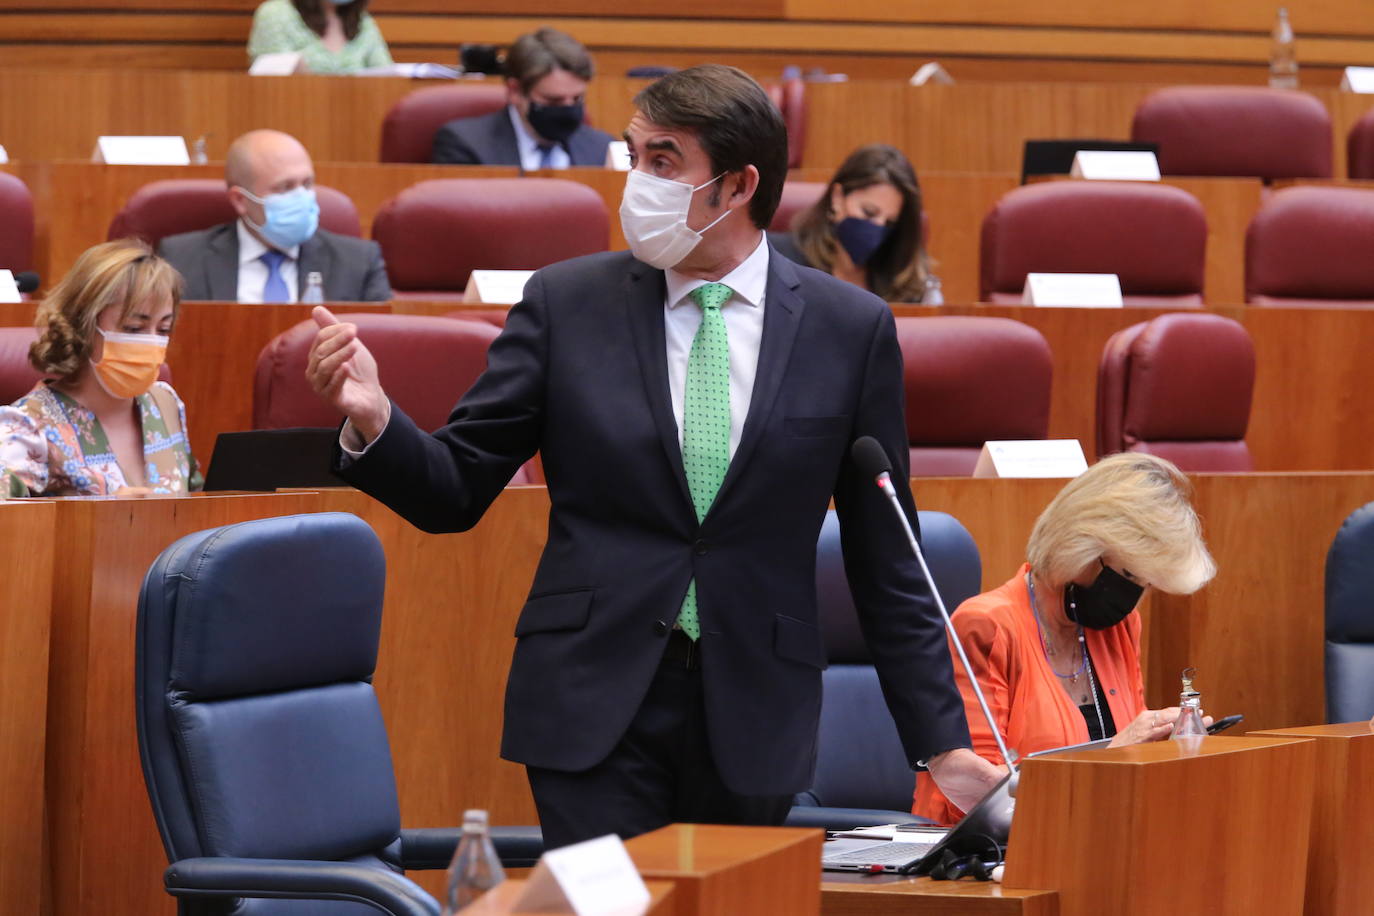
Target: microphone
<point>868,454</point>
<point>26,280</point>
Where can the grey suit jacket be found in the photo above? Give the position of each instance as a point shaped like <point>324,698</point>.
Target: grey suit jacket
<point>353,269</point>
<point>490,140</point>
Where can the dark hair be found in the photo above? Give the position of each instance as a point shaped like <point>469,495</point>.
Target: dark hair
<point>536,55</point>
<point>898,269</point>
<point>734,120</point>
<point>350,14</point>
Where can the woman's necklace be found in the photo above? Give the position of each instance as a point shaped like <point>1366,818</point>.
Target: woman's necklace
<point>1083,664</point>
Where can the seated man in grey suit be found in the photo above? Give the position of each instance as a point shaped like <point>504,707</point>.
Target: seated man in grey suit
<point>541,128</point>
<point>270,251</point>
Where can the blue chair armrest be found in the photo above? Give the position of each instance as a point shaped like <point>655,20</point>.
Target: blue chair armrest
<point>432,847</point>
<point>848,818</point>
<point>379,888</point>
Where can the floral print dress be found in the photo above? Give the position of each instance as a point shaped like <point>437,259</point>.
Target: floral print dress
<point>50,445</point>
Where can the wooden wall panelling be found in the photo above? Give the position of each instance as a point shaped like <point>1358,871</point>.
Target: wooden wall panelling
<point>26,533</point>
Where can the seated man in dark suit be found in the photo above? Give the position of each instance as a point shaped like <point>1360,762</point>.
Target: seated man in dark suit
<point>270,251</point>
<point>546,79</point>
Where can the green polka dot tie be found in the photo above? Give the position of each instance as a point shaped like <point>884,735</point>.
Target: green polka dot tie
<point>706,419</point>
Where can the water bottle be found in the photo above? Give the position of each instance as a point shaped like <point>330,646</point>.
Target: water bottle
<point>1283,60</point>
<point>314,289</point>
<point>475,868</point>
<point>1189,721</point>
<point>198,153</point>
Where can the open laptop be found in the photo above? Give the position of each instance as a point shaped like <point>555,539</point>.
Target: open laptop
<point>983,831</point>
<point>268,459</point>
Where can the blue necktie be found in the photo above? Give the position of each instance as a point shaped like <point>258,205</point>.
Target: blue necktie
<point>546,156</point>
<point>275,290</point>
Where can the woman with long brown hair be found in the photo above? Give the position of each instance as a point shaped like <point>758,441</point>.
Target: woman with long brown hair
<point>330,36</point>
<point>866,228</point>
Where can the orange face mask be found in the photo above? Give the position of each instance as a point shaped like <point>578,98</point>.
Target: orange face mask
<point>128,367</point>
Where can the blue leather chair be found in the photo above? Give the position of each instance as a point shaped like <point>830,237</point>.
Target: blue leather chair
<point>862,774</point>
<point>263,747</point>
<point>1350,620</point>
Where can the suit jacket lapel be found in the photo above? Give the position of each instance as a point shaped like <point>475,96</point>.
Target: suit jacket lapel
<point>505,148</point>
<point>782,311</point>
<point>644,293</point>
<point>221,263</point>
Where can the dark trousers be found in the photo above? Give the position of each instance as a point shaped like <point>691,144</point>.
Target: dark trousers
<point>661,772</point>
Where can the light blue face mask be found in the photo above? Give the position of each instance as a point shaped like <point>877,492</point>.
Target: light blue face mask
<point>291,217</point>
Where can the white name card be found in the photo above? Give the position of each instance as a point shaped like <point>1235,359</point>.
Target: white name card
<point>141,151</point>
<point>1358,79</point>
<point>593,878</point>
<point>278,63</point>
<point>618,156</point>
<point>1072,290</point>
<point>4,156</point>
<point>497,287</point>
<point>931,73</point>
<point>1031,458</point>
<point>1115,165</point>
<point>9,290</point>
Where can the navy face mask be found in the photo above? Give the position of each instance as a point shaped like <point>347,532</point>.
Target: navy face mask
<point>555,122</point>
<point>861,238</point>
<point>1103,604</point>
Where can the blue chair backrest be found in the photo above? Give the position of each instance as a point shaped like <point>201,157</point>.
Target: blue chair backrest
<point>1350,620</point>
<point>259,729</point>
<point>860,762</point>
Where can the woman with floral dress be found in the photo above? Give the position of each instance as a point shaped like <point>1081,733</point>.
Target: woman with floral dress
<point>100,423</point>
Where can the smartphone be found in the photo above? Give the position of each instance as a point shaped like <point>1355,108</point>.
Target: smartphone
<point>1220,725</point>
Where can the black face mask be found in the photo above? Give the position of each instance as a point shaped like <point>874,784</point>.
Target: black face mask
<point>555,122</point>
<point>1103,604</point>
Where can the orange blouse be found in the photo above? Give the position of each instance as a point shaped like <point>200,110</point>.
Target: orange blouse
<point>1034,712</point>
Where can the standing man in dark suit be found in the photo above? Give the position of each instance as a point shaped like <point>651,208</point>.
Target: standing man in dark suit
<point>694,405</point>
<point>547,73</point>
<point>270,251</point>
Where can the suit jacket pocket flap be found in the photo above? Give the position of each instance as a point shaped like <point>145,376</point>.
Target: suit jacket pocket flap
<point>816,427</point>
<point>798,641</point>
<point>558,611</point>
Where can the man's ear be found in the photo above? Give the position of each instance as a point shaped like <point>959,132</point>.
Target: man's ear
<point>743,185</point>
<point>237,200</point>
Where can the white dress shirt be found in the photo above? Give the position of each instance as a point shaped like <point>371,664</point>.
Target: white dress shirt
<point>531,156</point>
<point>253,272</point>
<point>743,314</point>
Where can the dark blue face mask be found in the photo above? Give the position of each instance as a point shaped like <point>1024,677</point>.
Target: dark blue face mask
<point>555,122</point>
<point>861,238</point>
<point>1103,604</point>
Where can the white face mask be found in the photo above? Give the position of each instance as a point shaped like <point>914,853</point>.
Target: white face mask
<point>653,216</point>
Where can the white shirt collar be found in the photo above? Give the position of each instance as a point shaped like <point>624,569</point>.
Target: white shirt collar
<point>748,281</point>
<point>528,145</point>
<point>251,247</point>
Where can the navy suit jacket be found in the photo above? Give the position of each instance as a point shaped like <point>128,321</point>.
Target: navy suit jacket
<point>490,140</point>
<point>208,260</point>
<point>580,374</point>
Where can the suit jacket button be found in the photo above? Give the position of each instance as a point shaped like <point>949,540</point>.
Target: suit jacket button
<point>701,548</point>
<point>660,627</point>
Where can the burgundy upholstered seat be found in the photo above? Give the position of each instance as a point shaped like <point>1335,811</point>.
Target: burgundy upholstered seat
<point>426,363</point>
<point>796,197</point>
<point>410,125</point>
<point>163,208</point>
<point>17,375</point>
<point>790,97</point>
<point>1359,147</point>
<point>1178,386</point>
<point>1152,236</point>
<point>1247,131</point>
<point>433,234</point>
<point>16,224</point>
<point>1311,246</point>
<point>970,379</point>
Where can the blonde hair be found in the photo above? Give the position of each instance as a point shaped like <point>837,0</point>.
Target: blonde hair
<point>1133,508</point>
<point>124,273</point>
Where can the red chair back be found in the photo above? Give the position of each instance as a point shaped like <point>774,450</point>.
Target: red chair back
<point>163,208</point>
<point>1246,131</point>
<point>1179,387</point>
<point>796,197</point>
<point>1310,246</point>
<point>435,233</point>
<point>970,379</point>
<point>1153,237</point>
<point>16,224</point>
<point>1359,148</point>
<point>410,125</point>
<point>790,97</point>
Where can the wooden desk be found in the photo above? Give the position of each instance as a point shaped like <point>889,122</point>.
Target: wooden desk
<point>26,570</point>
<point>1338,880</point>
<point>884,895</point>
<point>499,900</point>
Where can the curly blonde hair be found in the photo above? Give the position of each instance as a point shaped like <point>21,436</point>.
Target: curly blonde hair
<point>1135,509</point>
<point>125,273</point>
